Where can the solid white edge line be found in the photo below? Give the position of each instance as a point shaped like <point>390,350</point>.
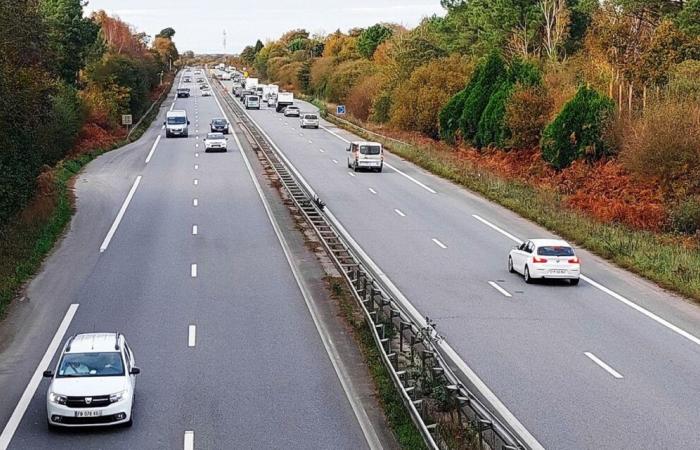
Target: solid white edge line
<point>399,212</point>
<point>120,215</point>
<point>195,230</point>
<point>499,289</point>
<point>153,149</point>
<point>191,335</point>
<point>16,418</point>
<point>400,172</point>
<point>661,321</point>
<point>193,270</point>
<point>447,350</point>
<point>172,106</point>
<point>438,243</point>
<point>605,367</point>
<point>188,442</point>
<point>333,354</point>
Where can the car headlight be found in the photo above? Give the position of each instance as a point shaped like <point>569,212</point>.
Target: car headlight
<point>117,397</point>
<point>57,398</point>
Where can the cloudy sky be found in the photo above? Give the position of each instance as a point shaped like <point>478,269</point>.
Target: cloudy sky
<point>199,25</point>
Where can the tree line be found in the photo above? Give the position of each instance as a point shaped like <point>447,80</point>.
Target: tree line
<point>65,77</point>
<point>572,79</point>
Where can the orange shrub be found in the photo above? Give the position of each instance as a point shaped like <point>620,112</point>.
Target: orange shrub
<point>417,101</point>
<point>527,113</point>
<point>360,98</point>
<point>343,78</point>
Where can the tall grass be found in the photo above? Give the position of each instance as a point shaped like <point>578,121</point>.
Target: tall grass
<point>666,259</point>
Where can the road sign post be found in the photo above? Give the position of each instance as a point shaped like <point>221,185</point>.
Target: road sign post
<point>127,120</point>
<point>340,110</point>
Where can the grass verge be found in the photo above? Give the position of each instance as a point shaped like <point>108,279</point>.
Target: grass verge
<point>665,259</point>
<point>24,243</point>
<point>399,419</point>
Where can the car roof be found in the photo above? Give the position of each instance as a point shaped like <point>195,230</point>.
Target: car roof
<point>550,242</point>
<point>93,342</point>
<point>366,143</point>
<point>176,113</point>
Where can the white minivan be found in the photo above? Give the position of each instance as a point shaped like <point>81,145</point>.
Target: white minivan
<point>252,102</point>
<point>365,155</point>
<point>176,123</point>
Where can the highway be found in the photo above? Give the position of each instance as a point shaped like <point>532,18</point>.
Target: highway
<point>611,363</point>
<point>193,273</point>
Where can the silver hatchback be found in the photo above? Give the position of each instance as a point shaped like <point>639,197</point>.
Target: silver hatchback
<point>309,121</point>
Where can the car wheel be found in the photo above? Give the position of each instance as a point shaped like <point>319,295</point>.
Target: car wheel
<point>526,275</point>
<point>510,265</point>
<point>574,281</point>
<point>356,168</point>
<point>349,165</point>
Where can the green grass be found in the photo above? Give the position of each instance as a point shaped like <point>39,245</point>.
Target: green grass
<point>399,419</point>
<point>665,259</point>
<point>25,243</point>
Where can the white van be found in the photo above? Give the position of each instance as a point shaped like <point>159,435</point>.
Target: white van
<point>252,102</point>
<point>365,155</point>
<point>176,123</point>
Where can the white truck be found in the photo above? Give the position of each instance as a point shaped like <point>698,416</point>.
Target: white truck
<point>176,123</point>
<point>270,90</point>
<point>224,76</point>
<point>284,99</point>
<point>250,84</point>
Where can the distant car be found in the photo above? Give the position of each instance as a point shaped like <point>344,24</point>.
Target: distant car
<point>206,92</point>
<point>292,111</point>
<point>187,80</point>
<point>215,142</point>
<point>200,80</point>
<point>219,125</point>
<point>183,92</point>
<point>365,155</point>
<point>309,121</point>
<point>93,384</point>
<point>252,102</point>
<point>271,102</point>
<point>545,258</point>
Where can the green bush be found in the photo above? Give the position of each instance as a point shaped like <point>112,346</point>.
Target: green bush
<point>493,128</point>
<point>485,83</point>
<point>578,129</point>
<point>450,114</point>
<point>685,216</point>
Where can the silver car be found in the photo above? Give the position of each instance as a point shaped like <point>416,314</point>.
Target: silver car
<point>309,121</point>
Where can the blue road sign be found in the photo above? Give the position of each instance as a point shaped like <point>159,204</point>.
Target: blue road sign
<point>340,109</point>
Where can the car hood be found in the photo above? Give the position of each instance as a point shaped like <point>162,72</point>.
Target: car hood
<point>89,386</point>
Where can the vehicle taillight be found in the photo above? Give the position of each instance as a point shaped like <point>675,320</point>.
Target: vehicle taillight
<point>536,259</point>
<point>575,260</point>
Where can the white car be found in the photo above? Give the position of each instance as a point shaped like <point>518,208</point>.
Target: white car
<point>206,92</point>
<point>545,258</point>
<point>215,142</point>
<point>365,155</point>
<point>309,121</point>
<point>94,382</point>
<point>292,111</point>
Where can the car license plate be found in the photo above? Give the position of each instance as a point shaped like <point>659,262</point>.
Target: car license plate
<point>557,271</point>
<point>88,413</point>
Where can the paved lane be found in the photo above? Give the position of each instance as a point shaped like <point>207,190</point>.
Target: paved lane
<point>544,348</point>
<point>256,375</point>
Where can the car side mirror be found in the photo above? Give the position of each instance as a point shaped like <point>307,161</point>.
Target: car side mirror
<point>48,373</point>
<point>164,122</point>
<point>188,122</point>
<point>135,371</point>
<point>347,149</point>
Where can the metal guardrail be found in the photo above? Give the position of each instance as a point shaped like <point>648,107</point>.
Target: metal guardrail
<point>409,345</point>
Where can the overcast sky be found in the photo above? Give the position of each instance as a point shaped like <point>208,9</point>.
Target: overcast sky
<point>199,25</point>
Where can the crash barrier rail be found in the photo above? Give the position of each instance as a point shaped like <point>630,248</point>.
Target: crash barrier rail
<point>409,344</point>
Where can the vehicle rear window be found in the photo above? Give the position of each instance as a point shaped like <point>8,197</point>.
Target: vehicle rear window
<point>311,117</point>
<point>553,250</point>
<point>370,149</point>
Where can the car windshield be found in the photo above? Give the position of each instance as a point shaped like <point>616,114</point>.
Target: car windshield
<point>215,136</point>
<point>252,98</point>
<point>370,149</point>
<point>554,250</point>
<point>102,364</point>
<point>177,120</point>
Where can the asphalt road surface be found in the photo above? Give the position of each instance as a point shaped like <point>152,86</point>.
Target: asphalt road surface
<point>194,247</point>
<point>611,363</point>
